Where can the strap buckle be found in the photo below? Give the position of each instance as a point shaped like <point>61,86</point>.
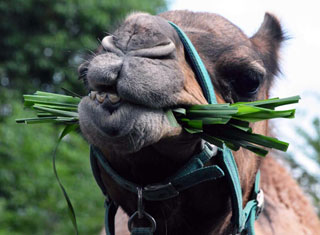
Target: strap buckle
<point>159,191</point>
<point>260,203</point>
<point>140,214</point>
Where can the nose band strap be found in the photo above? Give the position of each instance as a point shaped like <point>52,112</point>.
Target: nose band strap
<point>199,68</point>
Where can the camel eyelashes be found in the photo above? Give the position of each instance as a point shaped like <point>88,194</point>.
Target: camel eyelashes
<point>244,79</point>
<point>247,83</point>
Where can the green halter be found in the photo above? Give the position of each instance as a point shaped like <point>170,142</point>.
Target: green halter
<point>193,173</point>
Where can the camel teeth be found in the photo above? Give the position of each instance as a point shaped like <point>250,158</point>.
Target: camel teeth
<point>101,96</point>
<point>93,94</point>
<point>113,98</point>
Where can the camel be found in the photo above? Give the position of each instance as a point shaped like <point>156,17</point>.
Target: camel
<point>141,70</point>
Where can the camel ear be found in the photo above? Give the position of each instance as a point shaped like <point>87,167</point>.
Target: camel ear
<point>268,41</point>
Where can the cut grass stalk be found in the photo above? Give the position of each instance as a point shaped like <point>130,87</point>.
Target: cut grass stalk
<point>219,124</point>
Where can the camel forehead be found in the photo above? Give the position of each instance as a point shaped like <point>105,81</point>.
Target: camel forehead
<point>204,29</point>
<point>205,22</point>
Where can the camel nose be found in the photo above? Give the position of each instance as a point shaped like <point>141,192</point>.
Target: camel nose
<point>103,71</point>
<point>141,35</point>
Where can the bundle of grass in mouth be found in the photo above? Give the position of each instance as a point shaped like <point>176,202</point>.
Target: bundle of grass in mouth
<point>219,124</point>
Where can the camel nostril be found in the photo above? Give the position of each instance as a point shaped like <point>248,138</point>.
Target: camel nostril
<point>160,50</point>
<point>103,71</point>
<point>108,45</point>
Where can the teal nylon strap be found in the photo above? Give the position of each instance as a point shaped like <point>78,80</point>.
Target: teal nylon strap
<point>193,173</point>
<point>231,171</point>
<point>250,211</point>
<point>200,69</point>
<point>228,159</point>
<point>250,214</point>
<point>110,213</point>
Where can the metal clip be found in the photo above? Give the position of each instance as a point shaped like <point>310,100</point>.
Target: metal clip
<point>260,202</point>
<point>140,205</point>
<point>141,213</point>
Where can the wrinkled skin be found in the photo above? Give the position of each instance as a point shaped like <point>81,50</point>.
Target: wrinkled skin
<point>138,73</point>
<point>147,77</point>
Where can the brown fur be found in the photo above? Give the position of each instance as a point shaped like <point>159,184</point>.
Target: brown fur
<point>237,65</point>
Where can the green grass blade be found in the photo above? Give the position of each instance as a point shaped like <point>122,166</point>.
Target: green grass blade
<point>30,100</point>
<point>213,121</point>
<point>247,110</point>
<point>58,107</point>
<point>59,96</point>
<point>36,120</point>
<point>253,148</point>
<point>71,211</point>
<point>212,107</point>
<point>239,123</point>
<point>71,93</point>
<point>213,140</point>
<point>171,118</point>
<point>192,130</point>
<point>265,114</point>
<point>271,103</point>
<point>246,129</point>
<point>211,113</point>
<point>231,133</point>
<point>181,111</point>
<point>54,111</point>
<point>195,124</point>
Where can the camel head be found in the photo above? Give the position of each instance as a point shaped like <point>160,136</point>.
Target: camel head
<point>141,70</point>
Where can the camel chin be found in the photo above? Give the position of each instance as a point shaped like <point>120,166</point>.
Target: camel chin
<point>125,130</point>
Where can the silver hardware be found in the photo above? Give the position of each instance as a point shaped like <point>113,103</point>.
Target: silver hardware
<point>140,205</point>
<point>141,213</point>
<point>260,202</point>
<point>149,218</point>
<point>155,187</point>
<point>213,148</point>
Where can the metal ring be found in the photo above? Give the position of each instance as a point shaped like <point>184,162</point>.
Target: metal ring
<point>148,216</point>
<point>260,202</point>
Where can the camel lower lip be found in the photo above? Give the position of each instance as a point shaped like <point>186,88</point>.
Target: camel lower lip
<point>113,120</point>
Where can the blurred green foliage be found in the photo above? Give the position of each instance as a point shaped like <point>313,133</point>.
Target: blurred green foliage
<point>309,182</point>
<point>30,200</point>
<point>42,43</point>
